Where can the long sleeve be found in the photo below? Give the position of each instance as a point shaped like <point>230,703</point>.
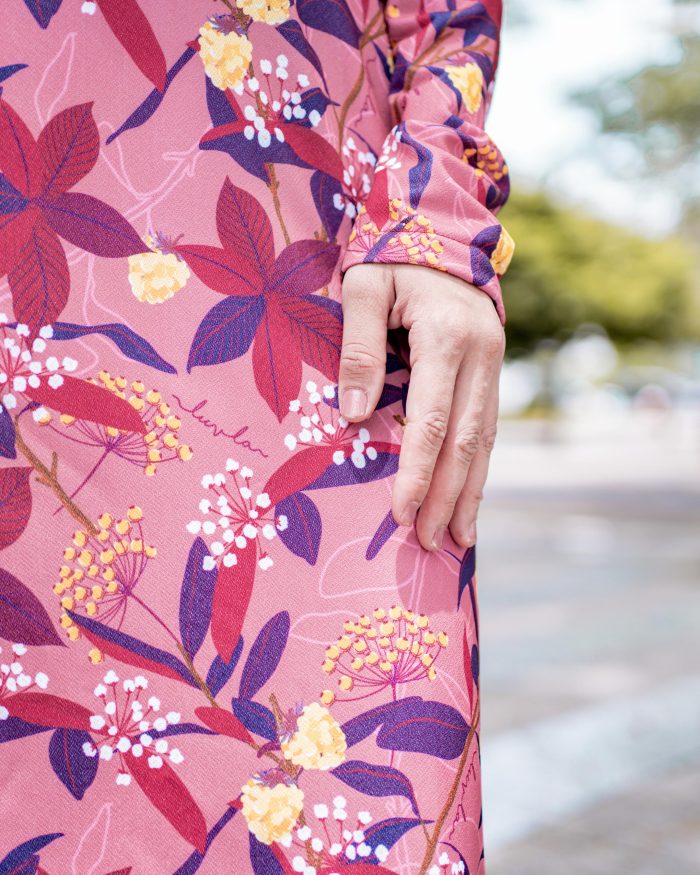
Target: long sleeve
<point>440,179</point>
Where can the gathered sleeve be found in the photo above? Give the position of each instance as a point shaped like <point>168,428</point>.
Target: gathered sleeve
<point>440,180</point>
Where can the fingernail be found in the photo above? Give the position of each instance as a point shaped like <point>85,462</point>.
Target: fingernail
<point>354,403</point>
<point>471,534</point>
<point>438,536</point>
<point>408,515</point>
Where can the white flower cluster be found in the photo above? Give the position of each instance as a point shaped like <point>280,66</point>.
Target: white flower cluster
<point>21,365</point>
<point>445,866</point>
<point>270,108</point>
<point>388,159</point>
<point>124,722</point>
<point>322,427</point>
<point>14,679</point>
<point>236,516</point>
<point>338,844</point>
<point>357,177</point>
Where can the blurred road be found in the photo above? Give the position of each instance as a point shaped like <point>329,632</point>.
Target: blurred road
<point>589,582</point>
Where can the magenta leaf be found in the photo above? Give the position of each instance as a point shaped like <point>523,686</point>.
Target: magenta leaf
<point>347,474</point>
<point>243,226</point>
<point>23,619</point>
<point>303,533</point>
<point>74,769</point>
<point>316,324</point>
<point>303,267</point>
<point>15,504</point>
<point>92,225</point>
<point>129,24</point>
<point>132,650</point>
<point>375,780</point>
<point>39,278</point>
<point>265,655</point>
<point>223,270</point>
<point>19,155</point>
<point>196,858</point>
<point>276,360</point>
<point>69,146</point>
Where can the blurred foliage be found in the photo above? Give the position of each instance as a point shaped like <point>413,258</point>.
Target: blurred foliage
<point>570,268</point>
<point>657,110</point>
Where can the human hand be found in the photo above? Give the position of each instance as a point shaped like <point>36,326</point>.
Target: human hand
<point>456,345</point>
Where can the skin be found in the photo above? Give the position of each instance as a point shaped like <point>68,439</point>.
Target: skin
<point>456,345</point>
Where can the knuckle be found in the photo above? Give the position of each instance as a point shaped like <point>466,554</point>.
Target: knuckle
<point>488,438</point>
<point>357,359</point>
<point>493,344</point>
<point>466,444</point>
<point>433,428</point>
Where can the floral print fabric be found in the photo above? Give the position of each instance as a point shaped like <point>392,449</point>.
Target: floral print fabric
<point>219,652</point>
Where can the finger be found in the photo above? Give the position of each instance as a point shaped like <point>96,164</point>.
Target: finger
<point>367,298</point>
<point>459,450</point>
<point>463,522</point>
<point>435,362</point>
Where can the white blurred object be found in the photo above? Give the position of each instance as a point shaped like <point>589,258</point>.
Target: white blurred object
<point>588,357</point>
<point>519,384</point>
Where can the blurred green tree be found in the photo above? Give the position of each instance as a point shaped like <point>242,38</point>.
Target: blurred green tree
<point>570,268</point>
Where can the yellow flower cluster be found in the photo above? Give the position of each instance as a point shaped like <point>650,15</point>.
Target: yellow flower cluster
<point>271,812</point>
<point>266,11</point>
<point>225,56</point>
<point>157,275</point>
<point>159,444</point>
<point>469,81</point>
<point>486,158</point>
<point>101,570</point>
<point>389,648</point>
<point>503,253</point>
<point>416,242</point>
<point>318,741</point>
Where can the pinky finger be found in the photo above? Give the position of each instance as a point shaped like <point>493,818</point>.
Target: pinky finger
<point>463,522</point>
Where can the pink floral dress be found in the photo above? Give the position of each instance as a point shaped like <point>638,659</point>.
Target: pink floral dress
<point>219,652</point>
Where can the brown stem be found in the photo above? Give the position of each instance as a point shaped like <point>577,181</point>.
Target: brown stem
<point>366,38</point>
<point>49,477</point>
<point>440,822</point>
<point>199,680</point>
<point>274,191</point>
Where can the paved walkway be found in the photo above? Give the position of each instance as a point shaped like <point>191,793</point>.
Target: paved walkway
<point>589,575</point>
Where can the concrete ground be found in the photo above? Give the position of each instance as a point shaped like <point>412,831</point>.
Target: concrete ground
<point>589,582</point>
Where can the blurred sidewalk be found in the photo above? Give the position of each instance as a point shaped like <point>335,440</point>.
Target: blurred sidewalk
<point>589,583</point>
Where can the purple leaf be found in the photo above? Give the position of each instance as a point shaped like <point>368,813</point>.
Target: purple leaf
<point>43,10</point>
<point>262,858</point>
<point>196,858</point>
<point>481,249</point>
<point>15,504</point>
<point>7,435</point>
<point>74,769</point>
<point>325,191</point>
<point>256,718</point>
<point>386,529</point>
<point>244,227</point>
<point>125,339</point>
<point>265,655</point>
<point>316,323</point>
<point>347,474</point>
<point>330,16</point>
<point>196,595</point>
<point>174,729</point>
<point>376,780</point>
<point>92,225</point>
<point>39,278</point>
<point>419,174</point>
<point>388,832</point>
<point>14,728</point>
<point>467,569</point>
<point>303,267</point>
<point>303,533</point>
<point>10,70</point>
<point>9,865</point>
<point>292,32</point>
<point>23,619</point>
<point>132,651</point>
<point>144,111</point>
<point>358,728</point>
<point>424,727</point>
<point>220,672</point>
<point>226,331</point>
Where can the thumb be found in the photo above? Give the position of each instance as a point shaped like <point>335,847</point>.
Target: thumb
<point>367,295</point>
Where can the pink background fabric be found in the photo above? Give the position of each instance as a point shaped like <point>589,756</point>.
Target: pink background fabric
<point>159,179</point>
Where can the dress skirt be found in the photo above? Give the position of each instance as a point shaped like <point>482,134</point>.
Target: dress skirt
<point>220,654</point>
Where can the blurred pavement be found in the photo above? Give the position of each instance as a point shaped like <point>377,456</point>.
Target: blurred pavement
<point>589,589</point>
